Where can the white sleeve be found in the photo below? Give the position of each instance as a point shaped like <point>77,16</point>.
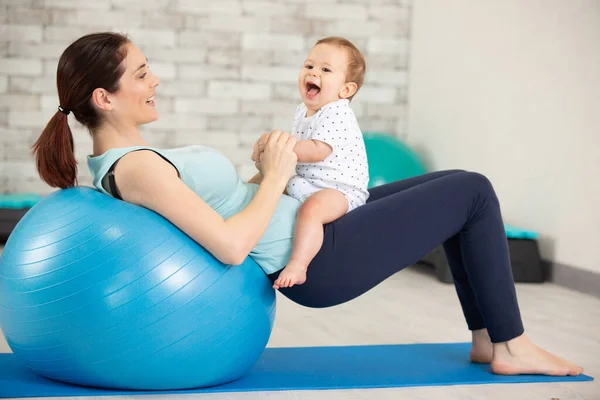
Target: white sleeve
<point>333,125</point>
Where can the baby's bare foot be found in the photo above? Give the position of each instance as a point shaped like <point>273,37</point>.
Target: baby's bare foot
<point>292,274</point>
<point>520,356</point>
<point>482,350</point>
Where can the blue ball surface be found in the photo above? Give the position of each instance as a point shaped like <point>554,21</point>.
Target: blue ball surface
<point>98,292</point>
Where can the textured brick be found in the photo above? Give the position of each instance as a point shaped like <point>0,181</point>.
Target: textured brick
<point>270,8</point>
<point>386,77</point>
<point>280,107</point>
<point>44,50</point>
<point>348,27</point>
<point>162,20</point>
<point>205,106</point>
<point>21,33</point>
<point>378,125</point>
<point>179,122</point>
<point>388,12</point>
<point>340,11</point>
<point>207,72</point>
<point>165,71</point>
<point>49,68</point>
<point>241,124</point>
<point>393,61</point>
<point>208,138</point>
<point>229,23</point>
<point>227,7</point>
<point>173,55</point>
<point>376,95</point>
<point>45,85</point>
<point>153,37</point>
<point>286,92</point>
<point>29,119</point>
<point>266,41</point>
<point>98,19</point>
<point>270,74</point>
<point>134,6</point>
<point>22,15</point>
<point>20,67</point>
<point>387,46</point>
<point>229,58</point>
<point>228,69</point>
<point>284,123</point>
<point>65,35</point>
<point>76,4</point>
<point>182,88</point>
<point>239,90</point>
<point>25,102</point>
<point>392,111</point>
<point>209,40</point>
<point>48,102</point>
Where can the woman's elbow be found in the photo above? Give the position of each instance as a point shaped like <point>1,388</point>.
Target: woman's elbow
<point>234,255</point>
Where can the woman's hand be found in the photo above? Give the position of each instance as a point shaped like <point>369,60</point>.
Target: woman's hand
<point>277,158</point>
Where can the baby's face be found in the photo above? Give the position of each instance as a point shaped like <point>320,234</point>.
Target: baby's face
<point>323,76</point>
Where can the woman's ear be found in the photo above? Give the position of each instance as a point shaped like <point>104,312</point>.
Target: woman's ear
<point>101,99</point>
<point>348,90</point>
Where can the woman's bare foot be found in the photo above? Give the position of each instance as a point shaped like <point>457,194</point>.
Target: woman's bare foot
<point>520,356</point>
<point>482,350</point>
<point>292,274</point>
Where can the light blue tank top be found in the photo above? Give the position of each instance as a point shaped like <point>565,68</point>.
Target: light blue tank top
<point>212,177</point>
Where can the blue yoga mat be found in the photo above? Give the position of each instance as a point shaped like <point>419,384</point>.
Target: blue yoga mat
<point>311,368</point>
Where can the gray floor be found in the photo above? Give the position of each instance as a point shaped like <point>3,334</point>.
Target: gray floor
<point>413,307</point>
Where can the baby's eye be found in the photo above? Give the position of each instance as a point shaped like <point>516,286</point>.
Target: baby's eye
<point>308,66</point>
<point>326,70</point>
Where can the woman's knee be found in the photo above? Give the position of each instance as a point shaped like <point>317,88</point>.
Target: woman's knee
<point>481,184</point>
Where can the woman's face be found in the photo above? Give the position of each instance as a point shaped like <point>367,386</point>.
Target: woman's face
<point>134,101</point>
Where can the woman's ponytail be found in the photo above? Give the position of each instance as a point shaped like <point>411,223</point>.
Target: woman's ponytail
<point>54,152</point>
<point>92,61</point>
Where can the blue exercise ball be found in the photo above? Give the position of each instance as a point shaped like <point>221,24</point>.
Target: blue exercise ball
<point>390,159</point>
<point>98,292</point>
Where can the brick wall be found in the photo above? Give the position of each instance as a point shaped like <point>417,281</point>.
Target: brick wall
<point>228,68</point>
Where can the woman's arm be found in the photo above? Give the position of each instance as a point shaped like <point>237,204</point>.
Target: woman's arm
<point>144,178</point>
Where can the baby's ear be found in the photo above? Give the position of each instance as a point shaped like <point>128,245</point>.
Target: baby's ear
<point>348,90</point>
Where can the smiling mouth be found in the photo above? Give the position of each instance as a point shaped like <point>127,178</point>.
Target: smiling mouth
<point>312,90</point>
<point>150,101</point>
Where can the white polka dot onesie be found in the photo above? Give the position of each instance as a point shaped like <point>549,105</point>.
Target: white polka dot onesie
<point>346,168</point>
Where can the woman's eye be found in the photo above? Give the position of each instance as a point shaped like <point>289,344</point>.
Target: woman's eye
<point>143,76</point>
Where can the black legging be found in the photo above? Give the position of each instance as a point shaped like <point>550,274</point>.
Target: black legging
<point>399,225</point>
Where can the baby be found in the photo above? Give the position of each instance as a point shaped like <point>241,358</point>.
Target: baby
<point>332,172</point>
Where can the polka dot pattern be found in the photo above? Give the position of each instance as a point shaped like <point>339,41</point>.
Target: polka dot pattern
<point>346,168</point>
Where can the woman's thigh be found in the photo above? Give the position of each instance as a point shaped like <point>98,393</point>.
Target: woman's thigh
<point>380,238</point>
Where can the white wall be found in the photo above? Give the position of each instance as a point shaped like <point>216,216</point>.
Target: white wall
<point>512,89</point>
<point>228,69</point>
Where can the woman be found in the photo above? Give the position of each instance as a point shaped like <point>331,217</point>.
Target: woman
<point>104,80</point>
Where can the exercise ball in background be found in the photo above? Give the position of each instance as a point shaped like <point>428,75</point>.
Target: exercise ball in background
<point>98,292</point>
<point>390,159</point>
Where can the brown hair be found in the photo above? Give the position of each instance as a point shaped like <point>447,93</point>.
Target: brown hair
<point>92,61</point>
<point>357,66</point>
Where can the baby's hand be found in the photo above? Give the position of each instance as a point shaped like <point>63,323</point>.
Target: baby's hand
<point>259,147</point>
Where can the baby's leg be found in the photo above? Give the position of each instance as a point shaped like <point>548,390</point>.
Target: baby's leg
<point>320,208</point>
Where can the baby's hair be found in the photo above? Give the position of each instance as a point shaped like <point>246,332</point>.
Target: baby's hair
<point>357,65</point>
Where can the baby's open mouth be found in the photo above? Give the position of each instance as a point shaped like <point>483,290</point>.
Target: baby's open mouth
<point>312,89</point>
